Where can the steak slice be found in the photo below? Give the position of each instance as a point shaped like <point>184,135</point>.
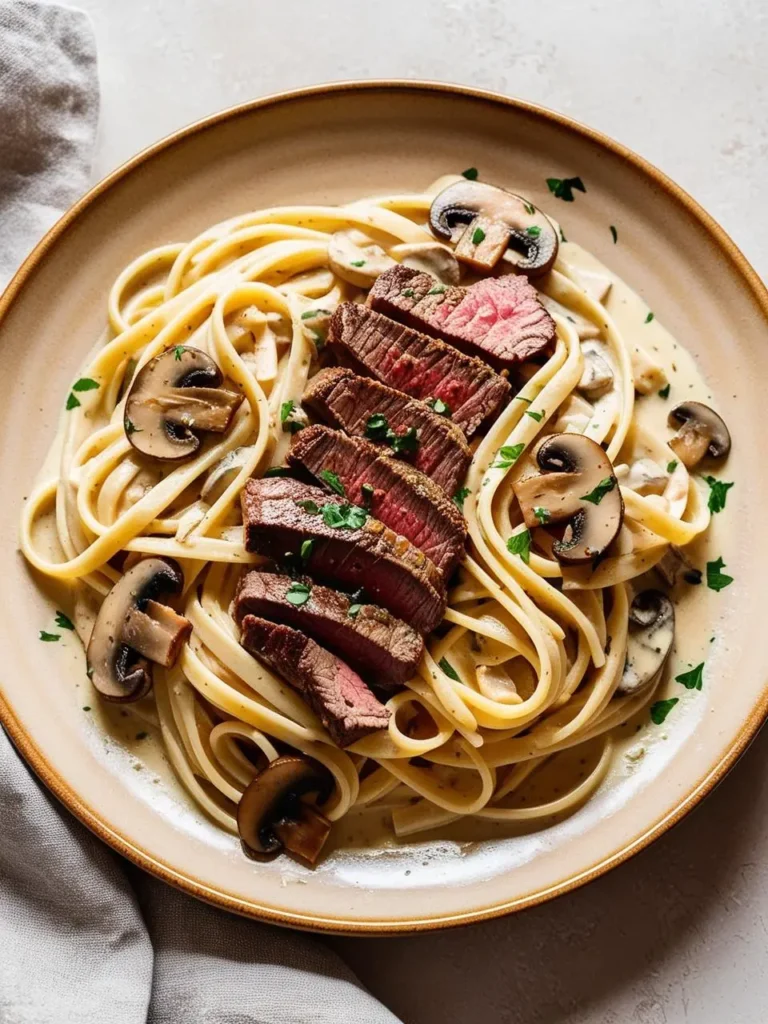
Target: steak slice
<point>336,693</point>
<point>393,572</point>
<point>403,498</point>
<point>500,319</point>
<point>347,401</point>
<point>417,365</point>
<point>373,642</point>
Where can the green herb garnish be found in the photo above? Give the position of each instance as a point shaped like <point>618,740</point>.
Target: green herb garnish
<point>439,406</point>
<point>344,517</point>
<point>470,173</point>
<point>86,707</point>
<point>538,416</point>
<point>278,471</point>
<point>357,263</point>
<point>72,402</point>
<point>49,638</point>
<point>562,188</point>
<point>63,621</point>
<point>85,384</point>
<point>718,492</point>
<point>306,548</point>
<point>408,293</point>
<point>449,670</point>
<point>354,610</point>
<point>331,479</point>
<point>407,442</point>
<point>438,289</point>
<point>649,318</point>
<point>542,514</point>
<point>661,709</point>
<point>459,496</point>
<point>614,234</point>
<point>530,209</point>
<point>520,544</point>
<point>178,352</point>
<point>672,466</point>
<point>717,580</point>
<point>664,392</point>
<point>298,594</point>
<point>693,679</point>
<point>534,231</point>
<point>519,398</point>
<point>310,507</point>
<point>478,236</point>
<point>129,426</point>
<point>311,313</point>
<point>377,427</point>
<point>286,409</point>
<point>604,487</point>
<point>508,456</point>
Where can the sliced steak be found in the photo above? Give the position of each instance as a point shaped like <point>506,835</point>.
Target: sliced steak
<point>417,365</point>
<point>347,401</point>
<point>380,647</point>
<point>500,319</point>
<point>402,498</point>
<point>393,572</point>
<point>336,693</point>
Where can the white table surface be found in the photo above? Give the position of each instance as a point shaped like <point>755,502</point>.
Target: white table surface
<point>681,932</point>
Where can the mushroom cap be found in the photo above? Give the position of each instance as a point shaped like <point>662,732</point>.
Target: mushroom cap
<point>649,641</point>
<point>697,418</point>
<point>577,486</point>
<point>273,798</point>
<point>523,235</point>
<point>118,670</point>
<point>175,394</point>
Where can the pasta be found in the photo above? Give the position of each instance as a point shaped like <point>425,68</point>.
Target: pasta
<point>530,658</point>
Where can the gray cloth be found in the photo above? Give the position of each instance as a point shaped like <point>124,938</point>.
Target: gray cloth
<point>86,938</point>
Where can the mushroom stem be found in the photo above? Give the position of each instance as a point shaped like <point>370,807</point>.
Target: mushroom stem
<point>157,633</point>
<point>305,834</point>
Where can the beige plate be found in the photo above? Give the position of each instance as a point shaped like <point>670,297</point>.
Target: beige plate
<point>329,145</point>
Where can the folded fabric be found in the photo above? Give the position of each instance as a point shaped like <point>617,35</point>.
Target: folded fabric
<point>86,938</point>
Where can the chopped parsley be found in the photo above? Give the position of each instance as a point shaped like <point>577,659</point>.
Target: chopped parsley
<point>72,402</point>
<point>693,679</point>
<point>530,209</point>
<point>520,544</point>
<point>534,231</point>
<point>718,492</point>
<point>672,466</point>
<point>449,670</point>
<point>661,709</point>
<point>664,392</point>
<point>178,352</point>
<point>85,384</point>
<point>478,236</point>
<point>129,425</point>
<point>377,429</point>
<point>408,293</point>
<point>562,188</point>
<point>343,517</point>
<point>357,263</point>
<point>331,479</point>
<point>717,580</point>
<point>286,409</point>
<point>49,638</point>
<point>519,398</point>
<point>310,314</point>
<point>440,288</point>
<point>562,236</point>
<point>407,442</point>
<point>614,234</point>
<point>278,471</point>
<point>367,491</point>
<point>604,487</point>
<point>306,548</point>
<point>63,621</point>
<point>508,456</point>
<point>439,406</point>
<point>649,317</point>
<point>354,610</point>
<point>542,514</point>
<point>459,496</point>
<point>311,507</point>
<point>86,707</point>
<point>470,174</point>
<point>538,416</point>
<point>298,593</point>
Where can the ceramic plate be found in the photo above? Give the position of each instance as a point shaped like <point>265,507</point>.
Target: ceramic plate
<point>330,145</point>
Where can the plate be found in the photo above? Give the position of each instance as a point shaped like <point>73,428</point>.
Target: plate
<point>333,144</point>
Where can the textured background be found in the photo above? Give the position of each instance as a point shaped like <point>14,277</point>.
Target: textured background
<point>680,933</point>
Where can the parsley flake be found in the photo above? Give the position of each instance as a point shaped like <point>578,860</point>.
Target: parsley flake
<point>85,384</point>
<point>508,456</point>
<point>534,231</point>
<point>306,548</point>
<point>672,466</point>
<point>478,236</point>
<point>332,480</point>
<point>439,406</point>
<point>530,209</point>
<point>661,709</point>
<point>343,517</point>
<point>520,544</point>
<point>542,514</point>
<point>286,409</point>
<point>354,610</point>
<point>72,402</point>
<point>614,234</point>
<point>604,487</point>
<point>278,471</point>
<point>649,317</point>
<point>357,263</point>
<point>49,638</point>
<point>178,352</point>
<point>438,289</point>
<point>470,174</point>
<point>298,594</point>
<point>408,293</point>
<point>459,496</point>
<point>562,188</point>
<point>718,492</point>
<point>717,580</point>
<point>63,621</point>
<point>519,398</point>
<point>407,442</point>
<point>538,416</point>
<point>310,314</point>
<point>664,392</point>
<point>449,670</point>
<point>693,679</point>
<point>128,425</point>
<point>377,427</point>
<point>310,507</point>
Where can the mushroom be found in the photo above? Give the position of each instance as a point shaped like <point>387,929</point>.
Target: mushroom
<point>272,815</point>
<point>597,376</point>
<point>577,486</point>
<point>649,641</point>
<point>134,627</point>
<point>646,477</point>
<point>702,432</point>
<point>487,223</point>
<point>174,395</point>
<point>431,258</point>
<point>355,258</point>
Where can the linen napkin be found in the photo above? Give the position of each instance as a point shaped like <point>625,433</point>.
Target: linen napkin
<point>85,937</point>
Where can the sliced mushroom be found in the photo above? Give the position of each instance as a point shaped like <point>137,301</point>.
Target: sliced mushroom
<point>430,257</point>
<point>597,376</point>
<point>271,814</point>
<point>577,486</point>
<point>176,394</point>
<point>487,224</point>
<point>702,432</point>
<point>646,477</point>
<point>649,641</point>
<point>355,258</point>
<point>134,627</point>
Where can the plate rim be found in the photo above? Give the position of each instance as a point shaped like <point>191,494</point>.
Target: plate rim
<point>341,925</point>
